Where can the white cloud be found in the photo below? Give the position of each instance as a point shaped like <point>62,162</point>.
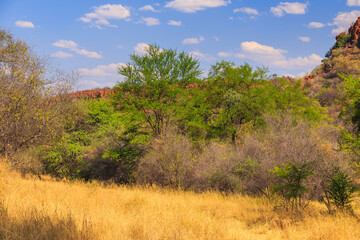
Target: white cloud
<point>225,54</point>
<point>61,54</point>
<point>202,56</point>
<point>150,21</point>
<point>94,77</point>
<point>73,46</point>
<point>101,70</point>
<point>24,24</point>
<point>192,40</point>
<point>101,14</point>
<point>352,3</point>
<point>191,6</point>
<point>316,25</point>
<point>148,8</point>
<point>87,53</point>
<point>299,62</point>
<point>249,11</point>
<point>289,8</point>
<point>304,39</point>
<point>90,84</point>
<point>141,48</point>
<point>65,44</point>
<point>343,21</point>
<point>174,23</point>
<point>271,56</point>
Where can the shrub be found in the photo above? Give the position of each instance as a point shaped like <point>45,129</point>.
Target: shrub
<point>169,161</point>
<point>216,169</point>
<point>289,183</point>
<point>339,190</point>
<point>63,160</point>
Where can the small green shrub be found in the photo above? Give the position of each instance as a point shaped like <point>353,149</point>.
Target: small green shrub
<point>339,190</point>
<point>289,183</point>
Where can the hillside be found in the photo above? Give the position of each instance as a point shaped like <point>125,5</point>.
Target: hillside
<point>33,209</point>
<point>325,82</point>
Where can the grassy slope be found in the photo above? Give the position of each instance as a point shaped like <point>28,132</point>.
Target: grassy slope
<point>34,209</point>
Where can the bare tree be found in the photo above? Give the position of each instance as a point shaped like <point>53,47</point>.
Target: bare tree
<point>32,104</point>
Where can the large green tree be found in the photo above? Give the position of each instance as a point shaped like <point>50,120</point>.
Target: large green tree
<point>155,84</point>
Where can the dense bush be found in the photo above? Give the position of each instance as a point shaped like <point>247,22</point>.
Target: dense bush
<point>289,183</point>
<point>339,189</point>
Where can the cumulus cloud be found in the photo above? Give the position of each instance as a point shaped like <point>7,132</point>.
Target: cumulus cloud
<point>247,10</point>
<point>141,48</point>
<point>61,54</point>
<point>90,84</point>
<point>225,54</point>
<point>148,8</point>
<point>202,56</point>
<point>101,14</point>
<point>24,24</point>
<point>304,39</point>
<point>191,6</point>
<point>95,77</point>
<point>150,21</point>
<point>174,23</point>
<point>274,57</point>
<point>343,21</point>
<point>316,25</point>
<point>353,3</point>
<point>289,8</point>
<point>192,40</point>
<point>73,46</point>
<point>101,70</point>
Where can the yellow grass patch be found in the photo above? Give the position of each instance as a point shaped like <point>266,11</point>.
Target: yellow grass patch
<point>34,209</point>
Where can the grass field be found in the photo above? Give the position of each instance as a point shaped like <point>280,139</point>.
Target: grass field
<point>34,209</point>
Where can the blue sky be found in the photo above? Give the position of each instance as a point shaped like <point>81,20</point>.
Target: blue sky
<point>94,37</point>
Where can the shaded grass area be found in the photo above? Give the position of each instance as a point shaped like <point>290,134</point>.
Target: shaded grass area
<point>37,225</point>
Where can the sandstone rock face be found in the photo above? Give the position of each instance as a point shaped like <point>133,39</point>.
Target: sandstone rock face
<point>354,31</point>
<point>92,94</point>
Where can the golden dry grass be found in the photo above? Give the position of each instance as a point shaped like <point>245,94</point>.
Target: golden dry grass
<point>34,209</point>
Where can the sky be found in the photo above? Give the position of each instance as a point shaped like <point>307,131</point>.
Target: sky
<point>94,37</point>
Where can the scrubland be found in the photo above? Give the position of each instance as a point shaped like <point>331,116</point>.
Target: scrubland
<point>45,209</point>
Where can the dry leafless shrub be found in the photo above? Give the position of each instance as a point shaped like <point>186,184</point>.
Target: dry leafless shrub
<point>216,168</point>
<point>291,139</point>
<point>169,161</point>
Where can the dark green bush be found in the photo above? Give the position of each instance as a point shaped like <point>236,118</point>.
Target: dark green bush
<point>289,183</point>
<point>339,190</point>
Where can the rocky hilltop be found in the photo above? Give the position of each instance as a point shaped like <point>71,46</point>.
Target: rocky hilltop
<point>325,82</point>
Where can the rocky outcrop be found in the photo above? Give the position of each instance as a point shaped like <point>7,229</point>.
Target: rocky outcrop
<point>354,31</point>
<point>92,94</point>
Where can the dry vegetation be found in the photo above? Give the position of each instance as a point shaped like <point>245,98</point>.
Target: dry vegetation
<point>34,209</point>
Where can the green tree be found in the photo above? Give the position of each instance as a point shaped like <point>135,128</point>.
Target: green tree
<point>154,84</point>
<point>240,94</point>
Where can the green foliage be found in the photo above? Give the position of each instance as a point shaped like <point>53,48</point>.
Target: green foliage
<point>289,183</point>
<point>239,94</point>
<point>340,43</point>
<point>339,189</point>
<point>154,85</point>
<point>63,160</point>
<point>127,158</point>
